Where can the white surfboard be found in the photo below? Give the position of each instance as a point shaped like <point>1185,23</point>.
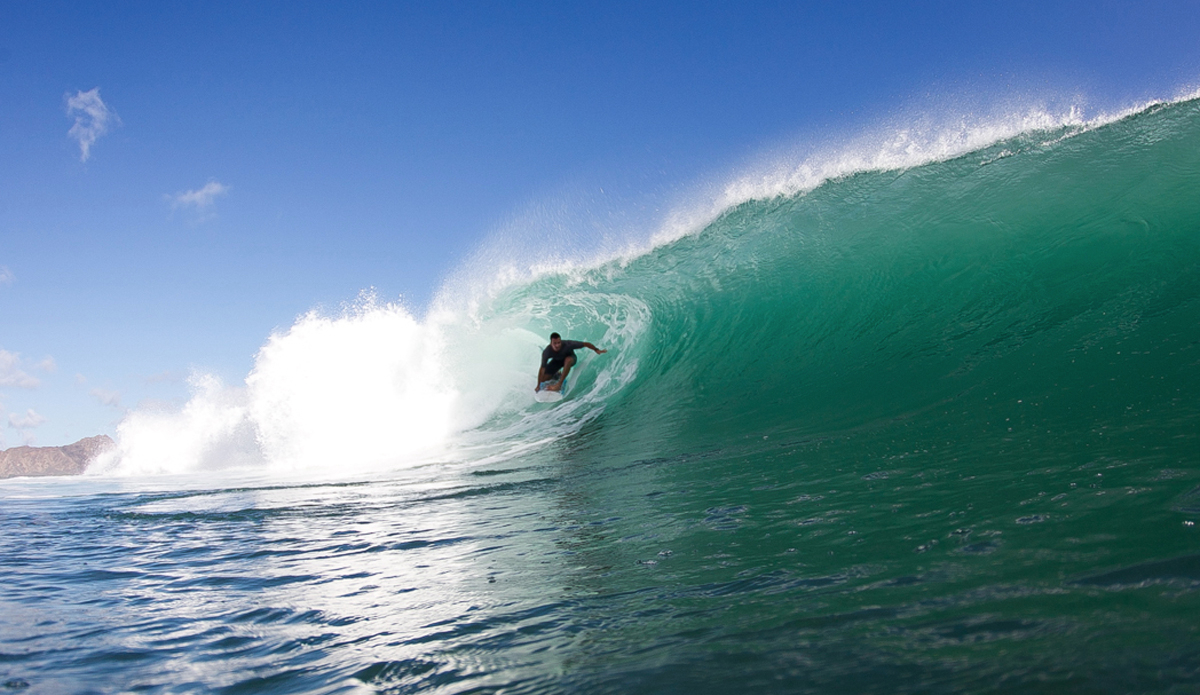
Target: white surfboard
<point>544,396</point>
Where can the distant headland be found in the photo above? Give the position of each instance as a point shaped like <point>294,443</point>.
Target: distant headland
<point>71,459</point>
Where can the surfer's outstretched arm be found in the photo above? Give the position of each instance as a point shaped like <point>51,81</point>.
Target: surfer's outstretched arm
<point>594,349</point>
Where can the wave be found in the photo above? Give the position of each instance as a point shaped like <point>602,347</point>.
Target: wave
<point>929,275</point>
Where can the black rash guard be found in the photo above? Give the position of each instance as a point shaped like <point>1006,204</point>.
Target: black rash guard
<point>553,361</point>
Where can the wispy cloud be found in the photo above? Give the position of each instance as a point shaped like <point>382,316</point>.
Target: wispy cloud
<point>12,374</point>
<point>27,421</point>
<point>6,276</point>
<point>167,377</point>
<point>200,199</point>
<point>109,398</point>
<point>25,424</point>
<point>92,117</point>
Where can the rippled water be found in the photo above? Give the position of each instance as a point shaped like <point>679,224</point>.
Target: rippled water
<point>570,575</point>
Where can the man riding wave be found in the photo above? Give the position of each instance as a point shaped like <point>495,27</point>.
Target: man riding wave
<point>557,360</point>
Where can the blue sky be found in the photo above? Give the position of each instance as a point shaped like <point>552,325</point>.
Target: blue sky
<point>246,162</point>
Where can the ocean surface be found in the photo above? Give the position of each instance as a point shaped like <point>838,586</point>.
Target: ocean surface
<point>923,421</point>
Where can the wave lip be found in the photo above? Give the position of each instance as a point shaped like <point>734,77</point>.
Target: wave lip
<point>917,144</point>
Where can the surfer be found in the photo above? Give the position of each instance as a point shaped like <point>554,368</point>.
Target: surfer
<point>557,360</point>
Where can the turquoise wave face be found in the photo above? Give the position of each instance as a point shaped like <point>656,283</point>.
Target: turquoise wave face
<point>1047,284</point>
<point>944,419</point>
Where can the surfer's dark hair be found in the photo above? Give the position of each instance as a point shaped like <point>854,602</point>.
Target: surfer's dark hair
<point>555,335</point>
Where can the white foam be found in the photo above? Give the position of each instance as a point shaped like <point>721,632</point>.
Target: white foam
<point>353,392</point>
<point>375,389</point>
<point>210,432</point>
<point>361,389</point>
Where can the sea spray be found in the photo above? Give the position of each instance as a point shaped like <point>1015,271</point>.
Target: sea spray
<point>352,392</point>
<point>211,432</point>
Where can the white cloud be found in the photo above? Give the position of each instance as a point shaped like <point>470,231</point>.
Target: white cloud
<point>201,198</point>
<point>6,276</point>
<point>109,398</point>
<point>11,373</point>
<point>27,421</point>
<point>92,117</point>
